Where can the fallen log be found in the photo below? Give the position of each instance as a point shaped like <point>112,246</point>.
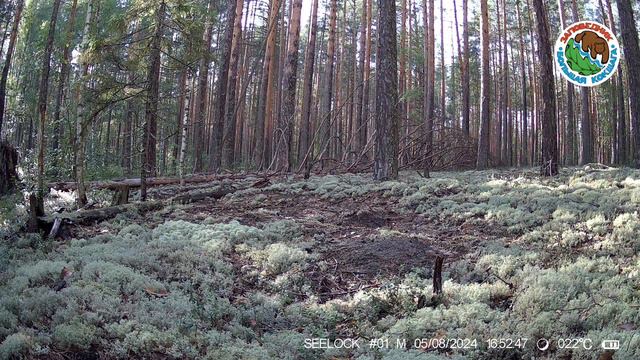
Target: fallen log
<point>86,217</point>
<point>135,182</point>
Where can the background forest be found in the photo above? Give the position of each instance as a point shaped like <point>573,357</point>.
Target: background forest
<point>180,87</point>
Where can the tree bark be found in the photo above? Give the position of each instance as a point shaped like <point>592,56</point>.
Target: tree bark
<point>221,90</point>
<point>386,144</point>
<point>151,103</point>
<point>307,85</point>
<point>81,122</point>
<point>62,81</point>
<point>7,62</point>
<point>549,120</point>
<point>324,121</point>
<point>290,77</point>
<point>229,136</point>
<point>429,81</point>
<point>632,58</point>
<point>266,84</point>
<point>485,113</point>
<point>43,92</point>
<point>466,106</point>
<point>203,91</point>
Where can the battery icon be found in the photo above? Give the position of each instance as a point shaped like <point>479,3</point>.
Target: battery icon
<point>610,344</point>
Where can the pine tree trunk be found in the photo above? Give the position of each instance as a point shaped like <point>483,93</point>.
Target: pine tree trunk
<point>632,58</point>
<point>151,104</point>
<point>221,91</point>
<point>549,119</point>
<point>62,81</point>
<point>229,137</point>
<point>386,144</point>
<point>485,103</point>
<point>289,100</point>
<point>524,143</point>
<point>466,106</point>
<point>266,83</point>
<point>7,62</point>
<point>203,93</point>
<point>429,82</point>
<point>307,85</point>
<point>325,119</point>
<point>43,92</point>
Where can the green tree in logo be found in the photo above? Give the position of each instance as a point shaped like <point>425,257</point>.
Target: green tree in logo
<point>578,63</point>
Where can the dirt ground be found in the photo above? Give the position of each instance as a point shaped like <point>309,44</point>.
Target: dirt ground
<point>367,239</point>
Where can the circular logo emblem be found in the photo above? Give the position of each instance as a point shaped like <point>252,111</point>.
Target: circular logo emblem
<point>587,53</point>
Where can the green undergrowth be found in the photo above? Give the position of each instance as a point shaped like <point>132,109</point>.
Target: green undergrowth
<point>565,266</point>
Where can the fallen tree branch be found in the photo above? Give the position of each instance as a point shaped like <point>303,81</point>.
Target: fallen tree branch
<point>135,182</point>
<point>85,217</point>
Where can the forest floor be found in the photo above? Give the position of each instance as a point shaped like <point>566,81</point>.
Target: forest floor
<point>255,274</point>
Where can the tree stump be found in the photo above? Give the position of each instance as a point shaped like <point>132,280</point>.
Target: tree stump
<point>120,195</point>
<point>437,275</point>
<point>8,166</point>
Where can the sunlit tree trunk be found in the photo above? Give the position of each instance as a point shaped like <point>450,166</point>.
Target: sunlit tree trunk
<point>524,143</point>
<point>307,85</point>
<point>549,119</point>
<point>485,102</point>
<point>386,141</point>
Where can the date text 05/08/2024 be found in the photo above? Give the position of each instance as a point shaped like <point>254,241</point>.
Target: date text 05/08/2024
<point>541,344</point>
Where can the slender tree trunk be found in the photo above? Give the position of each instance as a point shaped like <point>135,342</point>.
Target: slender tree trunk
<point>43,92</point>
<point>307,85</point>
<point>324,122</point>
<point>289,102</point>
<point>568,141</point>
<point>264,99</point>
<point>632,58</point>
<point>81,122</point>
<point>203,92</point>
<point>525,112</point>
<point>387,129</point>
<point>62,82</point>
<point>620,154</point>
<point>506,124</point>
<point>466,106</point>
<point>549,120</point>
<point>586,131</point>
<point>17,15</point>
<point>151,104</point>
<point>485,116</point>
<point>429,83</point>
<point>366,83</point>
<point>184,127</point>
<point>360,138</point>
<point>229,138</point>
<point>221,91</point>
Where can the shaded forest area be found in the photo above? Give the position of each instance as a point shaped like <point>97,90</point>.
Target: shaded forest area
<point>227,179</point>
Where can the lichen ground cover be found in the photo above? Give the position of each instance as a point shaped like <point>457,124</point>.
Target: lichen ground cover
<point>259,273</point>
